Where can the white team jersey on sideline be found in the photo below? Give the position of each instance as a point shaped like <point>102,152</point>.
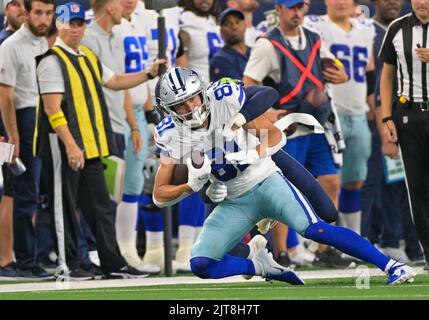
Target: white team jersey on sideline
<point>176,141</point>
<point>205,41</point>
<point>150,17</point>
<point>354,49</point>
<point>134,44</point>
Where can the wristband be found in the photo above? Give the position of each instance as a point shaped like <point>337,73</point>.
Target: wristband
<point>386,119</point>
<point>239,120</point>
<point>57,119</point>
<point>150,76</point>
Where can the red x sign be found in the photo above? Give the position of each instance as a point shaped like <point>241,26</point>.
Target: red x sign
<point>306,71</point>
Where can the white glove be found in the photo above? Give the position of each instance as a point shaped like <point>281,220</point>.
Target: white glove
<point>217,191</point>
<point>239,120</point>
<point>197,178</point>
<point>243,157</point>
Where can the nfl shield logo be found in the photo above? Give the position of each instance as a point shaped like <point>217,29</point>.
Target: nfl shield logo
<point>405,119</point>
<point>74,8</point>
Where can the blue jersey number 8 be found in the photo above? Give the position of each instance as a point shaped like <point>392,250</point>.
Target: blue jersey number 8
<point>135,54</point>
<point>222,91</point>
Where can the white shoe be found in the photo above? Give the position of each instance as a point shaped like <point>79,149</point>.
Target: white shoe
<point>181,267</point>
<point>396,254</point>
<point>149,268</point>
<point>400,273</point>
<point>93,257</point>
<point>129,252</point>
<point>154,256</point>
<point>257,243</point>
<point>270,269</point>
<point>310,245</point>
<point>301,257</point>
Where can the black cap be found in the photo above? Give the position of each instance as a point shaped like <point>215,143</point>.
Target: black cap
<point>225,13</point>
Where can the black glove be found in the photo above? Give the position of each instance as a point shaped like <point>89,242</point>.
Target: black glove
<point>152,117</point>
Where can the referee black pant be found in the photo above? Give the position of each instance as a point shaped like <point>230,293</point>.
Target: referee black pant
<point>413,132</point>
<point>87,185</point>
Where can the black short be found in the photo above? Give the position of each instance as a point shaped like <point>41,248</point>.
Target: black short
<point>8,181</point>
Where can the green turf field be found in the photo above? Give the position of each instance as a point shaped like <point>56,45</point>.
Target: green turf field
<point>327,289</point>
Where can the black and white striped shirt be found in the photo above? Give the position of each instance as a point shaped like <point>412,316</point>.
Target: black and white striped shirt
<point>403,36</point>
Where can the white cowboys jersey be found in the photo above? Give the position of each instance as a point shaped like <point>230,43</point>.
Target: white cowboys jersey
<point>150,17</point>
<point>354,49</point>
<point>176,141</point>
<point>205,41</point>
<point>134,42</point>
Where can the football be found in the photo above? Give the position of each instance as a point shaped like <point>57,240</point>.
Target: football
<point>180,173</point>
<point>316,97</point>
<point>328,63</point>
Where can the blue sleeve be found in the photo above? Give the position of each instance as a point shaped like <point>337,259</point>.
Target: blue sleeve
<point>220,68</point>
<point>258,100</point>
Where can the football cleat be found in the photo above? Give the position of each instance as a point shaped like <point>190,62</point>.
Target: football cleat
<point>155,256</point>
<point>181,267</point>
<point>150,269</point>
<point>301,257</point>
<point>257,243</point>
<point>400,273</point>
<point>271,270</point>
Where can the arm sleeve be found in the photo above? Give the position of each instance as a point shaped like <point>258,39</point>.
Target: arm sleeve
<point>259,100</point>
<point>261,60</point>
<point>50,76</point>
<point>107,73</point>
<point>387,52</point>
<point>9,66</point>
<point>203,195</point>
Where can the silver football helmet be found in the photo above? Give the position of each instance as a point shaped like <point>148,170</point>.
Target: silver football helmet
<point>177,86</point>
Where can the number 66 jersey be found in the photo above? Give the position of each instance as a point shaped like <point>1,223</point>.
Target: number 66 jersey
<point>176,141</point>
<point>354,49</point>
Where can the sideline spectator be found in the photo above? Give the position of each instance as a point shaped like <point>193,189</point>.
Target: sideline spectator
<point>18,99</point>
<point>73,134</point>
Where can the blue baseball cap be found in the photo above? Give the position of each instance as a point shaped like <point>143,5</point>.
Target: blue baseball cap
<point>289,3</point>
<point>70,11</point>
<point>225,13</point>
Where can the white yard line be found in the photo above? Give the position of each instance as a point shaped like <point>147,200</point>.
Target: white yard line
<point>156,281</point>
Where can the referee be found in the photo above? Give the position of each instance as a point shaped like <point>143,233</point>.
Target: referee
<point>405,53</point>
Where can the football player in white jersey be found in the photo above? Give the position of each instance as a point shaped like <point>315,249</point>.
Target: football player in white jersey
<point>351,41</point>
<point>150,17</point>
<point>244,181</point>
<point>200,35</point>
<point>131,33</point>
<point>191,213</point>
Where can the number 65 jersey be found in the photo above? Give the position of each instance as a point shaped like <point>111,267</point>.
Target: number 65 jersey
<point>354,49</point>
<point>177,141</point>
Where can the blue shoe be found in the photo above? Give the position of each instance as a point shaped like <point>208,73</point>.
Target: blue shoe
<point>35,274</point>
<point>400,273</point>
<point>9,272</point>
<point>271,270</point>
